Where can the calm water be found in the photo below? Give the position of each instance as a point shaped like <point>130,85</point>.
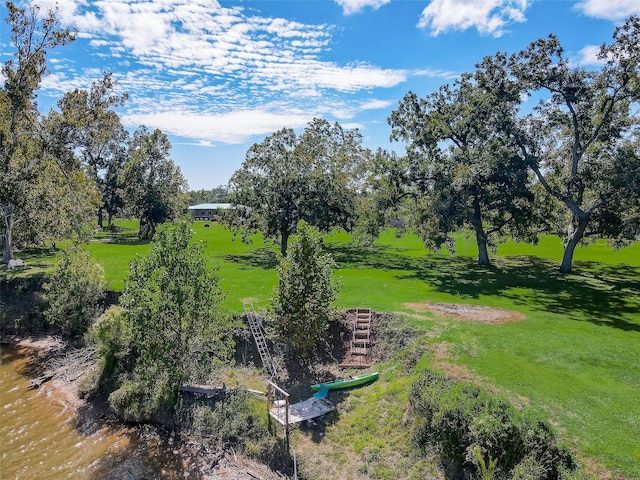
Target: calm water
<point>38,439</point>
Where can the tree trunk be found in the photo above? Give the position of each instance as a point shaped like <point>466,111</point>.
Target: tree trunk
<point>100,217</point>
<point>7,244</point>
<point>284,240</point>
<point>481,235</point>
<point>575,232</point>
<point>483,253</point>
<point>143,232</point>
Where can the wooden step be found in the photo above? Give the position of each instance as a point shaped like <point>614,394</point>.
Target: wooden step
<point>360,350</point>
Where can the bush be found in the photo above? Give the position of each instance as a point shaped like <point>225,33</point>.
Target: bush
<point>236,421</point>
<point>393,336</point>
<point>303,301</point>
<point>112,335</point>
<point>76,292</point>
<point>470,424</point>
<point>151,399</point>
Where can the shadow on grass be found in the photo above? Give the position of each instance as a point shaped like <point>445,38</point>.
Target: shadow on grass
<point>599,293</point>
<point>124,240</point>
<point>261,257</point>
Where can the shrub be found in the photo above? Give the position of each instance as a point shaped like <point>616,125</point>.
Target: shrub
<point>76,291</point>
<point>470,424</point>
<point>148,399</point>
<point>112,335</point>
<point>303,300</point>
<point>393,336</point>
<point>236,421</point>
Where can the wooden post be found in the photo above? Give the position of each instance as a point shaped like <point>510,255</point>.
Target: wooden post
<point>286,407</point>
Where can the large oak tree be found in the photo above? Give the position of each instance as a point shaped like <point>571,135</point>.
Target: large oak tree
<point>459,172</point>
<point>287,178</point>
<point>581,140</point>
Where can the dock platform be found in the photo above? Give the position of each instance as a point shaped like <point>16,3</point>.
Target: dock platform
<point>306,410</point>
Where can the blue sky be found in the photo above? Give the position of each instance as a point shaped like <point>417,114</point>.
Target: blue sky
<point>217,77</point>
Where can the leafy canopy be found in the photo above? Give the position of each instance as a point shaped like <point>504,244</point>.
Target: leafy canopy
<point>459,172</point>
<point>289,178</point>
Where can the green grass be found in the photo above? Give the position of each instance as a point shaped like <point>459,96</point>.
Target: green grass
<point>575,357</point>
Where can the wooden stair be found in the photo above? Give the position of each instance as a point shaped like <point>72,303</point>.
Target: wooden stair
<point>361,334</point>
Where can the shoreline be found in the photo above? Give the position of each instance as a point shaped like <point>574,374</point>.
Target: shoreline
<point>43,348</point>
<point>197,457</point>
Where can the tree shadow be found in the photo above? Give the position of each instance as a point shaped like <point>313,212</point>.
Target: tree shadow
<point>261,257</point>
<point>125,240</point>
<point>600,293</point>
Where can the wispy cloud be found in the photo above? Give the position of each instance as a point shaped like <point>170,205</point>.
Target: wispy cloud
<point>447,74</point>
<point>489,17</point>
<point>232,128</point>
<point>588,56</point>
<point>614,10</point>
<point>215,72</point>
<point>376,104</point>
<point>350,7</point>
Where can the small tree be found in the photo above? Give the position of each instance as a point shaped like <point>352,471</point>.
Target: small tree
<point>155,190</point>
<point>303,300</point>
<point>76,291</point>
<point>179,332</point>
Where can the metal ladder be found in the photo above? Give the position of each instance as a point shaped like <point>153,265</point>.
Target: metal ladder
<point>257,330</point>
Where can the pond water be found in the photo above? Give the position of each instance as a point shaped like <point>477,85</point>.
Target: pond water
<point>40,439</point>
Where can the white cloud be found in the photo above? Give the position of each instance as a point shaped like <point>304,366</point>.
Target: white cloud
<point>231,128</point>
<point>376,104</point>
<point>215,74</point>
<point>435,73</point>
<point>589,56</point>
<point>614,10</point>
<point>489,17</point>
<point>276,53</point>
<point>355,6</point>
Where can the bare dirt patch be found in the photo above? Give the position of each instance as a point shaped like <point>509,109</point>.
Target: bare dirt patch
<point>473,313</point>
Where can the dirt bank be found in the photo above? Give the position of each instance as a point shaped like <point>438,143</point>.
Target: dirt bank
<point>473,313</point>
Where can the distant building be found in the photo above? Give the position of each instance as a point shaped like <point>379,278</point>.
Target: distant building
<point>208,211</point>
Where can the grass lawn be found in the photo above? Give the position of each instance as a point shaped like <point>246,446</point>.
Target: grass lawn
<point>575,357</point>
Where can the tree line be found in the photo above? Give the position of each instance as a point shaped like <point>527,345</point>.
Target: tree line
<point>478,156</point>
<point>59,168</point>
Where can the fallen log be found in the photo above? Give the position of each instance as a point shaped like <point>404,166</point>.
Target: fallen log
<point>205,389</point>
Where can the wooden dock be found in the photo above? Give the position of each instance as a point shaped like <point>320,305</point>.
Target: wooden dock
<point>305,410</point>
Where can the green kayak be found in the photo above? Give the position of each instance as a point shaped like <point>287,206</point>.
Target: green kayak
<point>346,382</point>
